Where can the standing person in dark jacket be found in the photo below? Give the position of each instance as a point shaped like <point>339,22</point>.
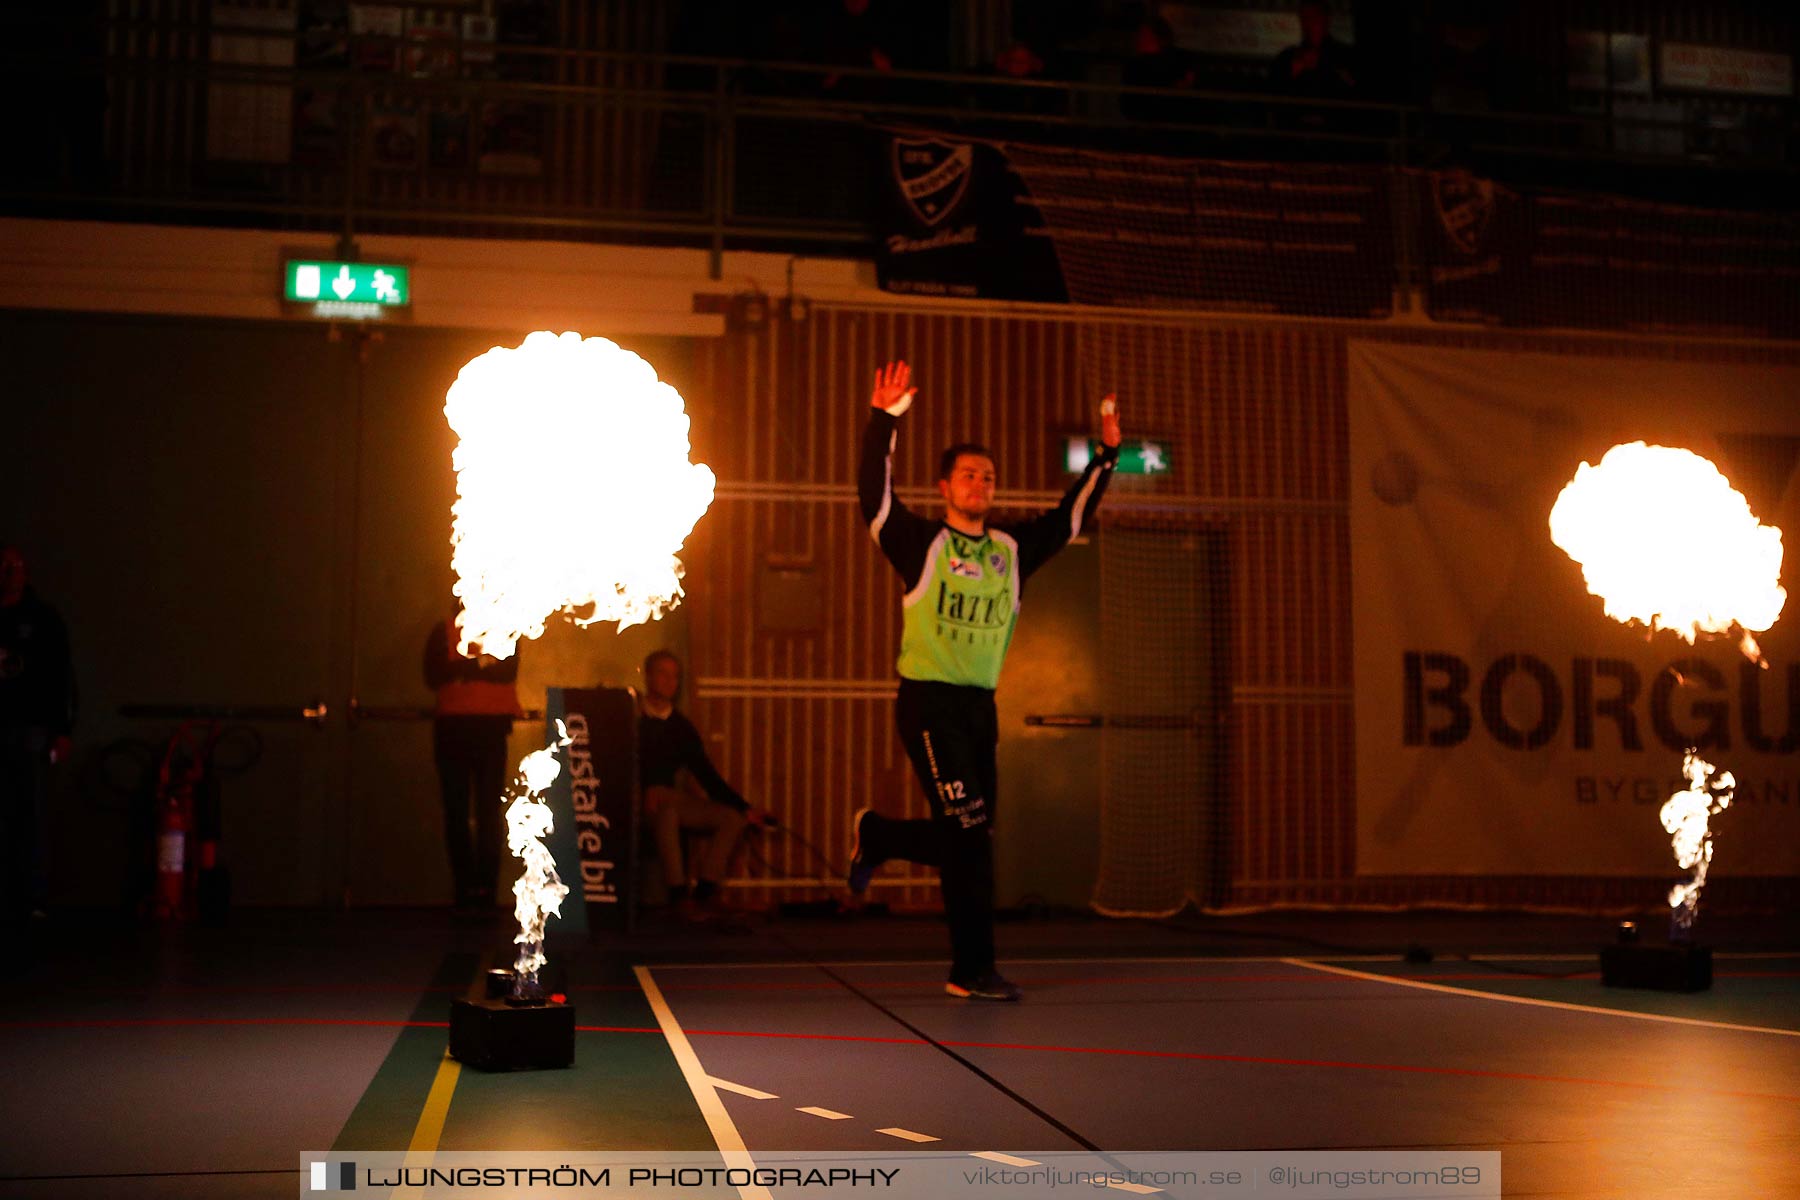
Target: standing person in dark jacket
<point>962,580</point>
<point>1318,66</point>
<point>477,699</point>
<point>682,790</point>
<point>37,718</point>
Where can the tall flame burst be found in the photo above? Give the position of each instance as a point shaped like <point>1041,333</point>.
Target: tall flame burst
<point>551,431</point>
<point>1686,815</point>
<point>538,892</point>
<point>1665,540</point>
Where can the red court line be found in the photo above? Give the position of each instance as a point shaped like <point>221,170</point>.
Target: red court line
<point>1107,980</point>
<point>157,991</point>
<point>139,1022</point>
<point>1256,1060</point>
<point>937,983</point>
<point>1106,1051</point>
<point>152,993</point>
<point>1403,1068</point>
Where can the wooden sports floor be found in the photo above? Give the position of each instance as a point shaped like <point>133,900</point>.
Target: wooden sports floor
<point>203,1062</point>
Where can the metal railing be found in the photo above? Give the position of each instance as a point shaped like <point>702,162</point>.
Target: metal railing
<point>316,713</point>
<point>668,148</point>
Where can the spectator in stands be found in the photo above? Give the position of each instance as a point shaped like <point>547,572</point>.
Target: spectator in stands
<point>1019,61</point>
<point>1022,61</point>
<point>1318,66</point>
<point>1156,62</point>
<point>684,793</point>
<point>853,33</point>
<point>37,716</point>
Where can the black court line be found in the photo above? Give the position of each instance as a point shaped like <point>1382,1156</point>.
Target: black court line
<point>388,1111</point>
<point>927,1039</point>
<point>145,1175</point>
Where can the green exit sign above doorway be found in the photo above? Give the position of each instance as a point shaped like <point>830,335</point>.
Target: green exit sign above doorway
<point>1135,457</point>
<point>347,290</point>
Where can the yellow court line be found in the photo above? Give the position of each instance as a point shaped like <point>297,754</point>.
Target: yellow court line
<point>437,1107</point>
<point>724,1133</point>
<point>1534,1002</point>
<point>430,1128</point>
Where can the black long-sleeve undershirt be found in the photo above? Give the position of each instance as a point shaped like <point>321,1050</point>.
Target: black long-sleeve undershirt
<point>666,744</point>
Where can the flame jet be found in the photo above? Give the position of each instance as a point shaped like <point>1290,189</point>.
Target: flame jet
<point>1686,815</point>
<point>1664,540</point>
<point>538,892</point>
<point>555,428</point>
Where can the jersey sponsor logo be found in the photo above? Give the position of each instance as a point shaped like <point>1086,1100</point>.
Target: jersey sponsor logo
<point>981,612</point>
<point>964,568</point>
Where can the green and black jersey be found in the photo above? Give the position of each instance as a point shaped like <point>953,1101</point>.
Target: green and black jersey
<point>962,592</point>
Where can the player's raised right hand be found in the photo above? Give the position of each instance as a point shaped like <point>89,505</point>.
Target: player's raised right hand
<point>894,391</point>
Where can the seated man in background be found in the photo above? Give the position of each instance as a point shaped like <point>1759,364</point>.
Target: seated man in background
<point>682,790</point>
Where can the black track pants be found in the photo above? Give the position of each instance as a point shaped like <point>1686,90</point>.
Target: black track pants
<point>950,733</point>
<point>471,764</point>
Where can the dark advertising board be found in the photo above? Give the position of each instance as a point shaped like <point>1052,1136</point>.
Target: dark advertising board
<point>594,806</point>
<point>957,221</point>
<point>1564,261</point>
<point>1138,231</point>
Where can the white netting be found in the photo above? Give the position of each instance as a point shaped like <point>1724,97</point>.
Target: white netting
<point>1163,798</point>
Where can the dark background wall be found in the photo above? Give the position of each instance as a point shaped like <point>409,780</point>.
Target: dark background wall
<point>187,493</point>
<point>191,498</point>
<point>1249,531</point>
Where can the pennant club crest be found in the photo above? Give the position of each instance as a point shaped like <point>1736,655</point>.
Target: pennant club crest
<point>932,175</point>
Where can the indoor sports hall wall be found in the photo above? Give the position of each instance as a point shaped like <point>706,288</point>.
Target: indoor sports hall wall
<point>195,503</point>
<point>1208,671</point>
<point>1178,710</point>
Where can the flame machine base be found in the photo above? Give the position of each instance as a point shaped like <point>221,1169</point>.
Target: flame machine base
<point>1676,967</point>
<point>490,1031</point>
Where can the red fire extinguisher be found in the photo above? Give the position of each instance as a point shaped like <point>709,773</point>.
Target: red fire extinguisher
<point>174,822</point>
<point>177,868</point>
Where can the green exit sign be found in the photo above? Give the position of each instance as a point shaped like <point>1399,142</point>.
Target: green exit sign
<point>1135,457</point>
<point>347,289</point>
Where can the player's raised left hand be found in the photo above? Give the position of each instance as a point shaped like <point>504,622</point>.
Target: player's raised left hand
<point>1109,420</point>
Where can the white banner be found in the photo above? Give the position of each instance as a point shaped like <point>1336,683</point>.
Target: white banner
<point>1504,724</point>
<point>1725,69</point>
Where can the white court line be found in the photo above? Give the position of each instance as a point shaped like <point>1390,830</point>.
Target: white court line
<point>725,1085</point>
<point>827,1113</point>
<point>1593,957</point>
<point>908,1135</point>
<point>1139,1188</point>
<point>724,1134</point>
<point>1472,994</point>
